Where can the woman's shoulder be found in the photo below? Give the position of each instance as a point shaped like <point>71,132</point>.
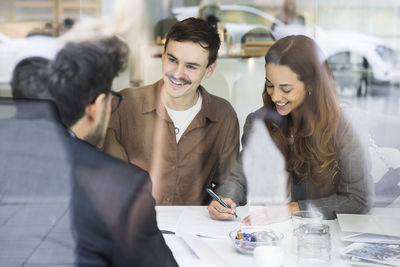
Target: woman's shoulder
<point>345,126</point>
<point>351,131</point>
<point>248,125</point>
<point>258,114</point>
<point>267,115</point>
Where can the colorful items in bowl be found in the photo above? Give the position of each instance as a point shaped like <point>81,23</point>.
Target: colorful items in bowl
<point>246,239</point>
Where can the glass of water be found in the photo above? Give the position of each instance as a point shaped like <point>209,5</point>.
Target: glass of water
<point>300,218</point>
<point>314,245</point>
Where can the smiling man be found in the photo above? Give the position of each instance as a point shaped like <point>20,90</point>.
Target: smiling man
<point>185,137</point>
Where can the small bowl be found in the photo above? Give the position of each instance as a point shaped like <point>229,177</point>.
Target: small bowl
<point>258,236</point>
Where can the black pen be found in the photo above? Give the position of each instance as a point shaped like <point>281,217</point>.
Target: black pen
<point>167,232</point>
<point>214,196</point>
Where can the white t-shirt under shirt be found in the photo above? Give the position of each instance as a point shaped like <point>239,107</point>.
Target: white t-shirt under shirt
<point>183,118</point>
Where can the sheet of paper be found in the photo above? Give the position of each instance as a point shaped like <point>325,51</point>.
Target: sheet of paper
<point>381,253</point>
<point>207,256</point>
<point>181,250</point>
<point>198,222</point>
<point>373,224</point>
<point>166,218</point>
<point>372,238</point>
<point>190,251</point>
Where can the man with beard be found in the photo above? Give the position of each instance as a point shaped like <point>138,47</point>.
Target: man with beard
<point>113,213</point>
<point>186,138</point>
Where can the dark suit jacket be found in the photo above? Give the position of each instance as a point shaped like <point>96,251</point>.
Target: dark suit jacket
<point>113,214</point>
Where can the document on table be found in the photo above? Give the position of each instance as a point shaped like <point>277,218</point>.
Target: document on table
<point>373,224</point>
<point>372,238</point>
<point>198,222</point>
<point>190,251</point>
<point>181,250</point>
<point>380,253</point>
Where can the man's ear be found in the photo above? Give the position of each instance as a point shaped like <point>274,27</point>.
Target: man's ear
<point>93,109</point>
<point>210,69</point>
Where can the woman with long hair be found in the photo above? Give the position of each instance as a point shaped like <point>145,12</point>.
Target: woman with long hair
<point>325,160</point>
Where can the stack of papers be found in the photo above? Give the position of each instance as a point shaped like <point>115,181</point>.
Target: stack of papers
<point>368,254</point>
<point>372,224</point>
<point>376,238</point>
<point>372,238</point>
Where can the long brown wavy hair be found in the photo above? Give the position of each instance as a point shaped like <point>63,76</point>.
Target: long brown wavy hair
<point>312,157</point>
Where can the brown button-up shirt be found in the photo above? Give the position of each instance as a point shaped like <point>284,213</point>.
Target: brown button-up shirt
<point>142,132</point>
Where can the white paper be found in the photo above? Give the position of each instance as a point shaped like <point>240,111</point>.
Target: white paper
<point>373,224</point>
<point>181,250</point>
<point>199,222</point>
<point>166,218</point>
<point>190,251</point>
<point>381,253</point>
<point>372,238</point>
<point>207,256</point>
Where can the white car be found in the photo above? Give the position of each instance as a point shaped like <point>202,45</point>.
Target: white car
<point>238,20</point>
<point>377,59</point>
<point>13,50</point>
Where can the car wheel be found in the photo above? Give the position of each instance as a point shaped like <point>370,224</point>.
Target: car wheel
<point>362,87</point>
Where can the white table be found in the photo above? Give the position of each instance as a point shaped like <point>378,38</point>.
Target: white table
<point>167,217</point>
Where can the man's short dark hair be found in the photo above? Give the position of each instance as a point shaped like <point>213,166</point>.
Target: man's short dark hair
<point>81,72</point>
<point>197,31</point>
<point>26,81</point>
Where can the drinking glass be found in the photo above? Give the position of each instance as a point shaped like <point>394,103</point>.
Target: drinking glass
<point>300,218</point>
<point>314,245</point>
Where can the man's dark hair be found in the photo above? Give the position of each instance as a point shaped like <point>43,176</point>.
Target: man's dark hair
<point>197,31</point>
<point>81,72</point>
<point>26,81</point>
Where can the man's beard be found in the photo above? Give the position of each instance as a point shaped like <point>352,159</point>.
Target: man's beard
<point>97,137</point>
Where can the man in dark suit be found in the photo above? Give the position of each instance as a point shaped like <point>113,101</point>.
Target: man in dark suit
<point>113,214</point>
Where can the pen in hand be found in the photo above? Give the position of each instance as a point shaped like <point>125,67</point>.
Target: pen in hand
<point>215,197</point>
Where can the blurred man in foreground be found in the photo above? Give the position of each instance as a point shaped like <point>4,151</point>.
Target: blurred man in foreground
<point>113,214</point>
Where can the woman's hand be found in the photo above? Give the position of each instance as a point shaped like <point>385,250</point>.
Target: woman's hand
<point>219,212</point>
<point>272,214</point>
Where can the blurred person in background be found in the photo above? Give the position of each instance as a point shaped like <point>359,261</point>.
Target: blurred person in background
<point>47,30</point>
<point>289,21</point>
<point>113,214</point>
<point>328,166</point>
<point>67,25</point>
<point>288,14</point>
<point>186,138</point>
<point>209,8</point>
